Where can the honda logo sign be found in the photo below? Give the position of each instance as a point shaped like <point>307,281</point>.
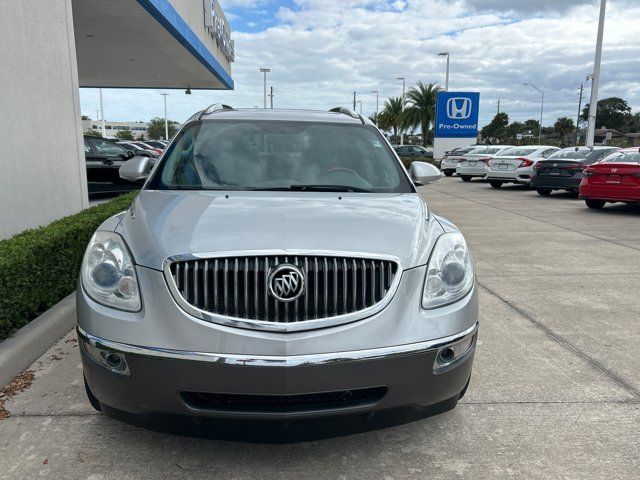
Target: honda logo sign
<point>457,114</point>
<point>459,108</point>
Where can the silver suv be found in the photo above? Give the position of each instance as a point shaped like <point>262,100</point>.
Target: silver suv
<point>276,265</point>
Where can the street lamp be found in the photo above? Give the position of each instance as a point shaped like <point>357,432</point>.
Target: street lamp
<point>446,83</point>
<point>102,124</point>
<point>541,109</point>
<point>377,104</point>
<point>265,71</point>
<point>403,89</point>
<point>595,78</point>
<point>166,123</point>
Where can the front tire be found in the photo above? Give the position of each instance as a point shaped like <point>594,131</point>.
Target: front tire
<point>545,192</point>
<point>465,178</point>
<point>448,173</point>
<point>495,183</point>
<point>595,204</point>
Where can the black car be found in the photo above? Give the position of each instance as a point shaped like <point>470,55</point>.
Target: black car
<point>104,158</point>
<point>563,169</point>
<point>413,151</point>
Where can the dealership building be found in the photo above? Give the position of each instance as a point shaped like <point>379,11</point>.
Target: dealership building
<point>49,49</point>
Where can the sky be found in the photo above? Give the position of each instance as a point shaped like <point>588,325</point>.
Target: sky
<point>321,51</point>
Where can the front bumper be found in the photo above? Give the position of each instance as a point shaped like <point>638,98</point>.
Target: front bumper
<point>162,380</point>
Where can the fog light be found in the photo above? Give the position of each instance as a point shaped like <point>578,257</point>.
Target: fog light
<point>453,353</point>
<point>113,361</point>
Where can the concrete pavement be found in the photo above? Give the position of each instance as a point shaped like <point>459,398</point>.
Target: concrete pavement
<point>555,391</point>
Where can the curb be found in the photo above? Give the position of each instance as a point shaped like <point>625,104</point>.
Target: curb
<point>35,338</point>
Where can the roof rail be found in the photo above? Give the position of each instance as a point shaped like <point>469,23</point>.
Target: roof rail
<point>346,111</point>
<point>216,107</point>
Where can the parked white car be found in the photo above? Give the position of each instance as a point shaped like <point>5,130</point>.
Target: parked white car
<point>515,165</point>
<point>474,162</point>
<point>451,159</point>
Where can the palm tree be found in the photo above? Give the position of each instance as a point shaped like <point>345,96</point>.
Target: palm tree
<point>421,106</point>
<point>390,118</point>
<point>563,127</point>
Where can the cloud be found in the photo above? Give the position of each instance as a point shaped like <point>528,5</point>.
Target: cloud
<point>321,51</point>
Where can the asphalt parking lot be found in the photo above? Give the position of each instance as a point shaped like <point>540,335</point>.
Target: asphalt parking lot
<point>555,391</point>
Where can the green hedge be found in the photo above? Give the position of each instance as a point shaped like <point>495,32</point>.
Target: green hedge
<point>40,267</point>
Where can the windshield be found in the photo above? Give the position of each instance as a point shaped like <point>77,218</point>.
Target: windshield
<point>517,152</point>
<point>623,157</point>
<point>278,155</point>
<point>570,153</point>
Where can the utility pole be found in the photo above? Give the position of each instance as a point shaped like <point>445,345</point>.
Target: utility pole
<point>541,109</point>
<point>271,95</point>
<point>579,112</point>
<point>354,101</point>
<point>264,71</point>
<point>377,104</point>
<point>102,124</point>
<point>498,106</point>
<point>403,90</point>
<point>166,123</point>
<point>595,79</point>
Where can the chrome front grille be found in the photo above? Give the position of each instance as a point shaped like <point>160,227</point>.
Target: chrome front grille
<point>236,287</point>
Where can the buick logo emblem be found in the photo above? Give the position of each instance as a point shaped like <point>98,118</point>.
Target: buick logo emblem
<point>459,108</point>
<point>286,282</point>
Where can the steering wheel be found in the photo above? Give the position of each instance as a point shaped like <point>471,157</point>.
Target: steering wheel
<point>340,169</point>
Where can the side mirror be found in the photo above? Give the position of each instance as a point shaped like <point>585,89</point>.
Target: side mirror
<point>423,173</point>
<point>136,169</point>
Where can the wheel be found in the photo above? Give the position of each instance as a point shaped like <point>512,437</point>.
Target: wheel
<point>448,173</point>
<point>495,183</point>
<point>595,204</point>
<point>465,178</point>
<point>92,399</point>
<point>545,192</point>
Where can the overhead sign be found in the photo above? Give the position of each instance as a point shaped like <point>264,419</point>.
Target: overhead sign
<point>457,114</point>
<point>218,28</point>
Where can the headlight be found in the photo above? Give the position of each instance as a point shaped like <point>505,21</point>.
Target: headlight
<point>450,272</point>
<point>108,274</point>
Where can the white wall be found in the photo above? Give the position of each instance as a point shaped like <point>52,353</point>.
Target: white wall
<point>42,170</point>
<point>442,145</point>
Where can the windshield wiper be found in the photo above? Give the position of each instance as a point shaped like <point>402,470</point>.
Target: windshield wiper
<point>312,188</point>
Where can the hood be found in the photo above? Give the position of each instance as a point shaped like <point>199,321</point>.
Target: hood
<point>168,223</point>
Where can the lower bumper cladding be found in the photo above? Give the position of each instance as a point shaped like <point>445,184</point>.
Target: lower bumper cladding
<point>143,381</point>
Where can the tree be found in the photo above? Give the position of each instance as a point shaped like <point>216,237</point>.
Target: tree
<point>84,117</point>
<point>532,125</point>
<point>124,135</point>
<point>140,137</point>
<point>497,128</point>
<point>421,106</point>
<point>612,112</point>
<point>375,118</point>
<point>563,127</point>
<point>155,128</point>
<point>391,115</point>
<point>514,129</point>
<point>93,133</point>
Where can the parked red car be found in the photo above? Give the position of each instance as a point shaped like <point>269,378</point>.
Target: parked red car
<point>614,179</point>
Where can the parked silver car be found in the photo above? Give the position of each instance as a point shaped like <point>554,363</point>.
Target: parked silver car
<point>515,165</point>
<point>277,265</point>
<point>451,158</point>
<point>473,163</point>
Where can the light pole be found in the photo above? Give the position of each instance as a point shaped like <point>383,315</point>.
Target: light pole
<point>446,82</point>
<point>595,78</point>
<point>541,109</point>
<point>102,124</point>
<point>271,95</point>
<point>377,104</point>
<point>402,110</point>
<point>264,72</point>
<point>166,123</point>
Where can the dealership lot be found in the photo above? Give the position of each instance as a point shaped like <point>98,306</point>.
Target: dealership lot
<point>555,391</point>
